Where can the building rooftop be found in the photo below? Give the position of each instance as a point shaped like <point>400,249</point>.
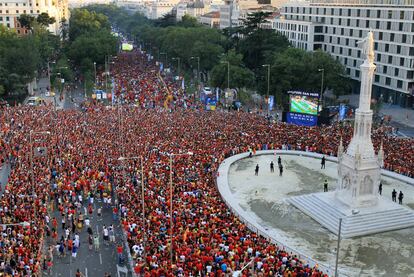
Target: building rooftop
<point>212,15</point>
<point>364,2</point>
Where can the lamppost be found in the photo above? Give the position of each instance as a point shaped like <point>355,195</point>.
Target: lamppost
<point>166,57</point>
<point>48,72</point>
<point>121,159</point>
<point>322,79</point>
<point>94,67</point>
<point>59,73</point>
<point>158,51</point>
<point>198,69</point>
<point>107,71</point>
<point>228,79</point>
<point>337,247</point>
<point>228,73</point>
<point>171,156</point>
<point>268,86</point>
<point>178,60</point>
<point>31,133</point>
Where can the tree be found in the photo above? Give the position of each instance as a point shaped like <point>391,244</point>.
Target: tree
<point>253,22</point>
<point>26,21</point>
<point>296,69</point>
<point>45,20</point>
<point>168,19</point>
<point>84,22</point>
<point>240,76</point>
<point>187,21</point>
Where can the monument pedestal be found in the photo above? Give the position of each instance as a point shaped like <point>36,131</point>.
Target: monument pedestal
<point>325,208</point>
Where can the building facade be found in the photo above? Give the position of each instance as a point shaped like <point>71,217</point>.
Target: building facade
<point>337,26</point>
<point>10,11</point>
<point>211,19</point>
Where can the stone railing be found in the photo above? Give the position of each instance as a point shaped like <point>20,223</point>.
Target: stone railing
<point>246,218</point>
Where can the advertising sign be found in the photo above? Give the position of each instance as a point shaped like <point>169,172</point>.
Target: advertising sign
<point>302,119</point>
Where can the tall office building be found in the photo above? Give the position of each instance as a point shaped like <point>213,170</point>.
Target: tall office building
<point>335,26</point>
<point>10,11</point>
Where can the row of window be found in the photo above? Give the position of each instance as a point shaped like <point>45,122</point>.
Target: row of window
<point>357,23</point>
<point>377,78</point>
<point>389,14</point>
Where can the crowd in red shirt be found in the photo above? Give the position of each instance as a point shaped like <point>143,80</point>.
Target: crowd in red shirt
<point>83,150</point>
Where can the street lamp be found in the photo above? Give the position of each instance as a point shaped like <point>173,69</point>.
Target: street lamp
<point>171,156</point>
<point>94,67</point>
<point>198,70</point>
<point>31,133</point>
<point>166,57</point>
<point>228,73</point>
<point>322,79</point>
<point>178,60</point>
<point>48,72</point>
<point>158,51</point>
<point>337,247</point>
<point>121,159</point>
<point>268,86</point>
<point>198,67</point>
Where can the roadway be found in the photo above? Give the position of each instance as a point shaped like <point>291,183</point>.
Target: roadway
<point>90,262</point>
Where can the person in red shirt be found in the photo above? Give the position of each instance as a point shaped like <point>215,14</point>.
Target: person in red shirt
<point>119,251</point>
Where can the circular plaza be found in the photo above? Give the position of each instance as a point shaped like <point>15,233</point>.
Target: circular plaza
<point>260,201</point>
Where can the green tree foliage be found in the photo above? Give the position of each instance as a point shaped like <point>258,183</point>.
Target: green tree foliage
<point>248,47</point>
<point>90,40</point>
<point>297,69</point>
<point>84,22</point>
<point>26,21</point>
<point>19,59</point>
<point>45,20</point>
<point>257,44</point>
<point>187,21</point>
<point>240,76</point>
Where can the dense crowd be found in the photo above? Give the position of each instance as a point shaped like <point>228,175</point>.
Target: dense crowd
<point>83,150</point>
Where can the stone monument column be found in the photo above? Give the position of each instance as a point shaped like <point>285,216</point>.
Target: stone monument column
<point>359,167</point>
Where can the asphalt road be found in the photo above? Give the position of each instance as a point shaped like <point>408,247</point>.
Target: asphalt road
<point>4,176</point>
<point>90,262</point>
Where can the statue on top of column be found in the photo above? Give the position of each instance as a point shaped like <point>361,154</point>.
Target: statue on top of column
<point>368,47</point>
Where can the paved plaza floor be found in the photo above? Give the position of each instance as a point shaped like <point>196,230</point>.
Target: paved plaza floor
<point>263,197</point>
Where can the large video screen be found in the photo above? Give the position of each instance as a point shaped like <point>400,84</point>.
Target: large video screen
<point>127,47</point>
<point>304,103</point>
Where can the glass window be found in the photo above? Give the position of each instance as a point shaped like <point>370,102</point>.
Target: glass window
<point>388,81</point>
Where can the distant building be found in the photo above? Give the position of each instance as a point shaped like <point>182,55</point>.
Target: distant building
<point>211,19</point>
<point>10,11</point>
<point>233,11</point>
<point>194,9</point>
<point>336,27</point>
